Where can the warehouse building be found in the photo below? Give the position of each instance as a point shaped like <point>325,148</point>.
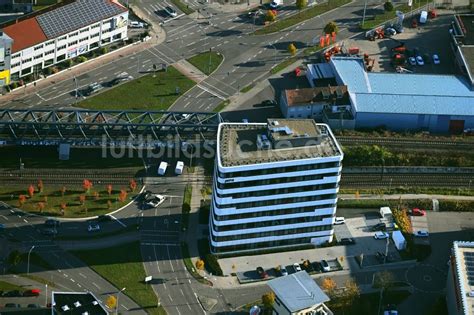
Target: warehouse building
<point>435,103</point>
<point>58,33</point>
<point>460,281</point>
<point>275,185</point>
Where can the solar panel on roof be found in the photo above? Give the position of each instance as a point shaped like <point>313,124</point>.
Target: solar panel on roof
<point>76,15</point>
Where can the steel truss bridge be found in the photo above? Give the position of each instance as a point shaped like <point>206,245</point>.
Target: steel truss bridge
<point>108,127</point>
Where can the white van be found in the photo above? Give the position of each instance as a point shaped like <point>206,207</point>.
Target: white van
<point>162,168</point>
<point>423,17</point>
<point>135,24</point>
<point>275,4</point>
<point>179,168</point>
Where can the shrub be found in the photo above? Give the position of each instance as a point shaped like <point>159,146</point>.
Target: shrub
<point>13,85</point>
<point>388,6</point>
<point>270,17</point>
<point>330,28</point>
<point>213,265</point>
<point>81,59</point>
<point>103,50</point>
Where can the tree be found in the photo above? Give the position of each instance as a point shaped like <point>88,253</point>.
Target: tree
<point>87,185</point>
<point>14,258</point>
<point>68,63</point>
<point>331,27</point>
<point>31,191</point>
<point>200,264</point>
<point>40,206</point>
<point>109,189</point>
<point>301,4</point>
<point>63,191</point>
<point>133,185</point>
<point>403,221</point>
<point>111,302</point>
<point>329,285</point>
<point>21,200</point>
<point>383,280</point>
<point>268,299</point>
<point>63,207</point>
<point>292,49</point>
<point>122,196</point>
<point>388,6</point>
<point>351,292</point>
<point>271,16</point>
<point>82,199</point>
<point>40,185</point>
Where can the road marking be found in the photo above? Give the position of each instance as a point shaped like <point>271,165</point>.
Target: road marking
<point>189,306</point>
<point>156,259</point>
<point>82,275</point>
<point>42,98</point>
<point>72,280</point>
<point>181,291</point>
<point>189,281</point>
<point>210,92</point>
<point>199,302</point>
<point>121,223</point>
<point>186,105</point>
<point>95,285</point>
<point>124,306</point>
<point>171,299</point>
<point>79,285</point>
<point>169,257</point>
<point>4,217</point>
<point>178,310</point>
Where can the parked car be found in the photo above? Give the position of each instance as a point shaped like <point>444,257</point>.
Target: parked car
<point>245,121</point>
<point>12,293</point>
<point>412,61</point>
<point>339,220</point>
<point>104,218</point>
<point>325,266</point>
<point>33,305</point>
<point>422,233</point>
<point>171,12</point>
<point>136,24</point>
<point>347,241</point>
<point>155,201</point>
<point>380,235</point>
<point>416,212</point>
<point>12,305</point>
<point>52,223</point>
<point>436,60</point>
<point>93,226</point>
<point>283,271</point>
<point>32,292</point>
<point>297,267</point>
<point>420,61</point>
<point>378,227</point>
<point>262,273</point>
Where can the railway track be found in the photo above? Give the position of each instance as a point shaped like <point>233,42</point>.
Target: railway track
<point>419,180</point>
<point>441,144</point>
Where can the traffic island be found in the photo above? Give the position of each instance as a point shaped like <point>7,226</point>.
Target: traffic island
<point>206,62</point>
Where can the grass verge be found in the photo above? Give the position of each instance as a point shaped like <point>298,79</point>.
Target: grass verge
<point>388,15</point>
<point>410,190</point>
<point>38,279</point>
<point>221,106</point>
<point>282,65</point>
<point>186,208</point>
<point>7,286</point>
<point>123,267</point>
<point>52,198</point>
<point>189,265</point>
<point>183,7</point>
<point>304,15</point>
<point>145,93</point>
<point>247,88</point>
<point>206,62</point>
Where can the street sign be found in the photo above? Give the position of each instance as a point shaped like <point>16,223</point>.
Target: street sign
<point>148,279</point>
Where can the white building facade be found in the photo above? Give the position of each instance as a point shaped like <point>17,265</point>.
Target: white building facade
<point>63,33</point>
<point>460,280</point>
<point>275,185</point>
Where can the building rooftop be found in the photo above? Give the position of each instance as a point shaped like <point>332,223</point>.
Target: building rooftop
<point>404,93</point>
<point>277,140</point>
<point>76,303</point>
<point>464,259</point>
<point>59,19</point>
<point>298,291</point>
<point>333,95</point>
<point>463,36</point>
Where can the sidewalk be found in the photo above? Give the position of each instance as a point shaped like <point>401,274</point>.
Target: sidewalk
<point>189,71</point>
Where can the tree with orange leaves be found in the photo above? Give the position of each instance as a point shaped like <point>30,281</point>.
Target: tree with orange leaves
<point>63,207</point>
<point>87,185</point>
<point>21,200</point>
<point>31,191</point>
<point>40,185</point>
<point>82,199</point>
<point>133,185</point>
<point>122,196</point>
<point>109,189</point>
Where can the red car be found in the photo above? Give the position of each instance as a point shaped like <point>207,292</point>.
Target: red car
<point>32,292</point>
<point>418,212</point>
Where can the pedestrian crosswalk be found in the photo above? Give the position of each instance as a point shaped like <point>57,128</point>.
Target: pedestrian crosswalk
<point>159,237</point>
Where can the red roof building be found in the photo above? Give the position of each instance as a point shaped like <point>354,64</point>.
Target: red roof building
<point>25,33</point>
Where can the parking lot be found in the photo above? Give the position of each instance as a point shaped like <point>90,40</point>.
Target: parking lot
<point>425,40</point>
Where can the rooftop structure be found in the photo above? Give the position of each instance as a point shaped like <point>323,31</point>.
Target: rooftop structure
<point>462,32</point>
<point>278,140</point>
<point>297,292</point>
<point>76,303</point>
<point>334,95</point>
<point>460,282</point>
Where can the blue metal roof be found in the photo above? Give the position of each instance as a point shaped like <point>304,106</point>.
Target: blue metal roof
<point>298,291</point>
<point>404,93</point>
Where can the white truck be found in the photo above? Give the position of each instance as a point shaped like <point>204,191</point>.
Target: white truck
<point>399,240</point>
<point>423,17</point>
<point>179,168</point>
<point>162,168</point>
<point>386,213</point>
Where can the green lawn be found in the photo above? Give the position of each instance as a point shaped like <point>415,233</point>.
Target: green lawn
<point>123,267</point>
<point>145,93</point>
<point>221,106</point>
<point>47,157</point>
<point>376,20</point>
<point>182,6</point>
<point>54,199</point>
<point>186,208</point>
<point>282,65</point>
<point>206,62</point>
<point>304,15</point>
<point>6,286</point>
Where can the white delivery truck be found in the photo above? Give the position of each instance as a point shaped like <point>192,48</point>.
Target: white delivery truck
<point>423,17</point>
<point>386,213</point>
<point>399,240</point>
<point>179,168</point>
<point>162,168</point>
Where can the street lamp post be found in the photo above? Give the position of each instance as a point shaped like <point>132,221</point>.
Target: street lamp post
<point>28,264</point>
<point>46,296</point>
<point>363,14</point>
<point>117,307</point>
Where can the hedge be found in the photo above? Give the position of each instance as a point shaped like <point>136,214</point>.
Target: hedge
<point>213,265</point>
<point>444,205</point>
